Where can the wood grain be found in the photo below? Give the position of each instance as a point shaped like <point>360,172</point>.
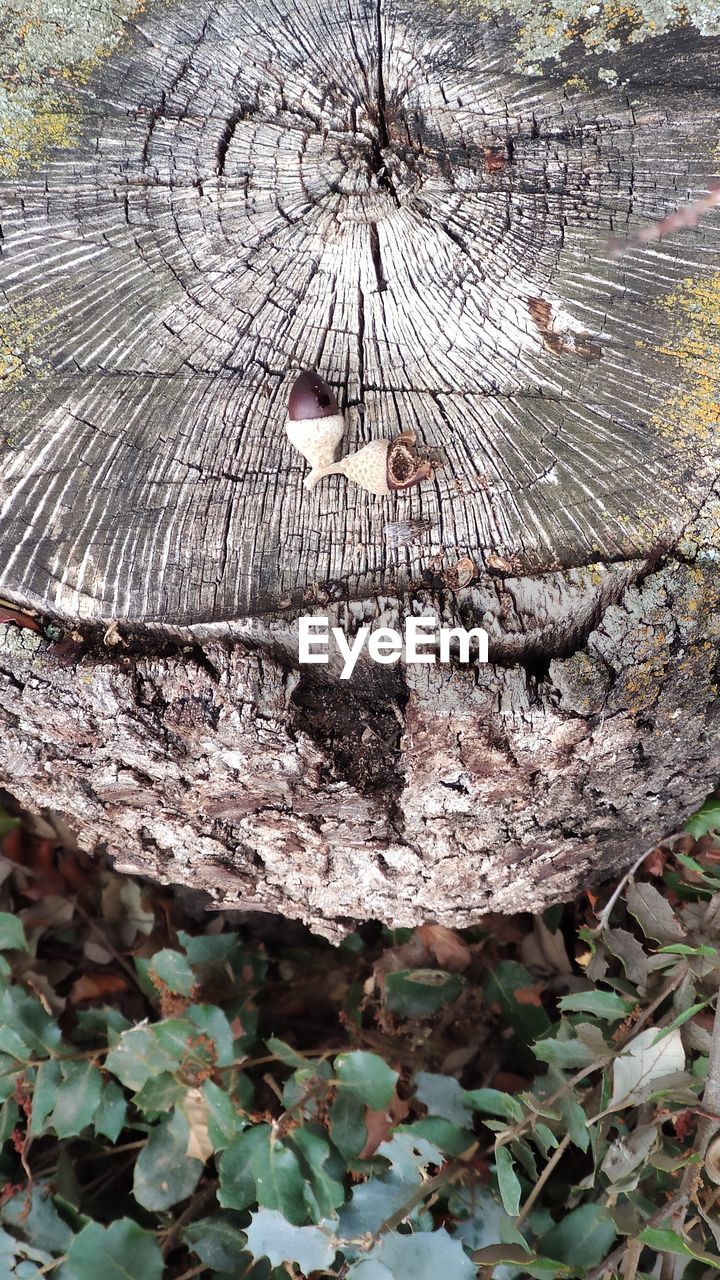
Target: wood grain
<point>371,190</point>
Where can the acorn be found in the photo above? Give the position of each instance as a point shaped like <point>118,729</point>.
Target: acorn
<point>381,467</point>
<point>315,425</point>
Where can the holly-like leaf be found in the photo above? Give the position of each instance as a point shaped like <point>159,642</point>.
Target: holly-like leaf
<point>112,1111</point>
<point>140,1055</point>
<point>217,1241</point>
<point>171,971</point>
<point>77,1098</point>
<point>164,1173</point>
<point>237,1179</point>
<point>424,1255</point>
<point>582,1238</point>
<point>122,1252</point>
<point>443,1096</point>
<point>271,1236</point>
<point>654,913</point>
<point>368,1076</point>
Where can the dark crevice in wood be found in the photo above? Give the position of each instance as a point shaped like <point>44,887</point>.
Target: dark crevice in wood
<point>361,733</point>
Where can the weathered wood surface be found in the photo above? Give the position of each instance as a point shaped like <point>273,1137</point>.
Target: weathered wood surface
<point>199,203</point>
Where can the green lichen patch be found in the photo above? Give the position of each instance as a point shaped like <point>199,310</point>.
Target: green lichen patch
<point>48,50</point>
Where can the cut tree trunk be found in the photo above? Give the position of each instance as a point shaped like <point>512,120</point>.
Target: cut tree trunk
<point>524,270</point>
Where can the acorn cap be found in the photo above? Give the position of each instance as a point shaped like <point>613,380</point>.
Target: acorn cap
<point>310,397</point>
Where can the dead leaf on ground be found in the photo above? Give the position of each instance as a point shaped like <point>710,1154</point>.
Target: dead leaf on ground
<point>95,986</point>
<point>448,948</point>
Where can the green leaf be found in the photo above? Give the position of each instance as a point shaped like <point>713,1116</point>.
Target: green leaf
<point>217,1241</point>
<point>77,1098</point>
<point>139,1056</point>
<point>603,1004</point>
<point>285,1053</point>
<point>223,1121</point>
<point>582,1239</point>
<point>323,1191</point>
<point>112,1112</point>
<point>7,824</point>
<point>171,971</point>
<point>279,1180</point>
<point>682,949</point>
<point>705,819</point>
<point>36,1220</point>
<point>159,1095</point>
<point>527,1020</point>
<point>419,993</point>
<point>122,1252</point>
<point>164,1173</point>
<point>443,1096</point>
<point>494,1103</point>
<point>368,1076</point>
<point>210,1021</point>
<point>237,1180</point>
<point>664,1241</point>
<point>47,1079</point>
<point>347,1124</point>
<point>563,1053</point>
<point>24,1016</point>
<point>271,1236</point>
<point>450,1138</point>
<point>508,1182</point>
<point>424,1255</point>
<point>12,934</point>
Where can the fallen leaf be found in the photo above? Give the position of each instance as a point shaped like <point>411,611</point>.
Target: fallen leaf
<point>20,619</point>
<point>94,986</point>
<point>448,948</point>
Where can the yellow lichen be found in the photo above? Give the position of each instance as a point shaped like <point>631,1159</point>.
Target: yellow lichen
<point>692,415</point>
<point>19,330</point>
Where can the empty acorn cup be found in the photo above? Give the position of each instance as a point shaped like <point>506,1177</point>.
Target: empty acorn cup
<point>314,424</point>
<point>381,467</point>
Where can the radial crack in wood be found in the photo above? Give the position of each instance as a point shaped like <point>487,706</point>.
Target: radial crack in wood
<point>198,200</point>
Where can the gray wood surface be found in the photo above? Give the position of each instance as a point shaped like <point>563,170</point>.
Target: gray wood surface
<point>197,200</point>
<point>372,190</point>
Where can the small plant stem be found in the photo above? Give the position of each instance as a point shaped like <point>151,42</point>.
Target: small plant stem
<point>554,1160</point>
<point>708,1124</point>
<point>609,1263</point>
<point>441,1179</point>
<point>631,1259</point>
<point>191,1210</point>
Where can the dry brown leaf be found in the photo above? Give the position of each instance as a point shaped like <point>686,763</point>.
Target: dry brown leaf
<point>448,948</point>
<point>95,986</point>
<point>528,995</point>
<point>379,1124</point>
<point>196,1112</point>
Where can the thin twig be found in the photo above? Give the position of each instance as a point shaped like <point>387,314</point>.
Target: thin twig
<point>554,1160</point>
<point>191,1210</point>
<point>607,909</point>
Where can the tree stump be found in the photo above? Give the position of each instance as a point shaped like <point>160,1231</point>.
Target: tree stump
<point>515,258</point>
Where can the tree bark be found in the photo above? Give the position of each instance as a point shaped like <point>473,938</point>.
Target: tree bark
<point>236,192</point>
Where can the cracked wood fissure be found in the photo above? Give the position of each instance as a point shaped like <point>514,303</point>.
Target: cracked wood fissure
<point>373,189</point>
